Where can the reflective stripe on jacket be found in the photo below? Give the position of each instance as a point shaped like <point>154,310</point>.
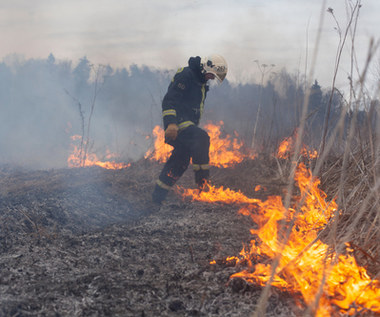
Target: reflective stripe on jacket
<point>184,100</point>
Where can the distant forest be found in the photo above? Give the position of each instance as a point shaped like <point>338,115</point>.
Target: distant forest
<point>44,102</point>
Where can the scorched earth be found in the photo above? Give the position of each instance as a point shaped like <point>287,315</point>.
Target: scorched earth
<point>88,242</point>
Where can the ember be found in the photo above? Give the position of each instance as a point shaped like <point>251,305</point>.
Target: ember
<point>304,262</point>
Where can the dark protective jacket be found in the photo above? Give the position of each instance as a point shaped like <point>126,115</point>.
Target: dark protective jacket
<point>184,100</point>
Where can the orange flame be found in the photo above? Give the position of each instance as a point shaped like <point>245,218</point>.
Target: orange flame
<point>161,151</point>
<point>224,151</point>
<point>304,262</point>
<point>77,158</point>
<point>286,148</point>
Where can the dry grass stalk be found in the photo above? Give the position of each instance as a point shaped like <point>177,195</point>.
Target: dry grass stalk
<point>263,300</point>
<point>357,176</point>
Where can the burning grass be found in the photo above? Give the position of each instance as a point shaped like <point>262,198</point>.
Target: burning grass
<point>307,265</point>
<point>311,243</point>
<point>100,194</point>
<point>80,158</point>
<point>327,265</point>
<point>98,248</point>
<point>225,150</point>
<point>358,195</point>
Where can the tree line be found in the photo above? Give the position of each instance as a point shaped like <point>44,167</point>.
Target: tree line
<point>45,101</point>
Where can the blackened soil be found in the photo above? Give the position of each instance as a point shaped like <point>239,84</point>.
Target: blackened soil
<point>88,242</point>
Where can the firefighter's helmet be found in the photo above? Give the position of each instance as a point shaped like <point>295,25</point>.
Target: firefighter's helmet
<point>215,64</point>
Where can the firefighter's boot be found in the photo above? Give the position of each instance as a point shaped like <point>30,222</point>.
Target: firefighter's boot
<point>160,192</point>
<point>201,178</point>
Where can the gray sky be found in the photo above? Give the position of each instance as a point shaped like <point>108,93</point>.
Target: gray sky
<point>165,33</point>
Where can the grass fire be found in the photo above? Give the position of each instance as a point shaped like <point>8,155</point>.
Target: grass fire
<point>80,158</point>
<point>322,277</point>
<point>225,150</point>
<point>280,218</point>
<point>93,225</point>
<point>306,262</point>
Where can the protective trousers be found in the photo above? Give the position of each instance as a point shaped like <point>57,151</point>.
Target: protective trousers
<point>194,143</point>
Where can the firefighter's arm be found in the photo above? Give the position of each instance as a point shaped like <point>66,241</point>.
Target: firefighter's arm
<point>169,115</point>
<point>174,95</point>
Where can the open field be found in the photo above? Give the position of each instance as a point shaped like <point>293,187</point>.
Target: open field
<point>88,242</point>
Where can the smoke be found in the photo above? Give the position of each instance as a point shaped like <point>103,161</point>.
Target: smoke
<point>34,113</point>
<point>45,102</point>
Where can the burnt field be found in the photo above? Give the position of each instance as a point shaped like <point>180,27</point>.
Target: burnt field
<point>88,242</point>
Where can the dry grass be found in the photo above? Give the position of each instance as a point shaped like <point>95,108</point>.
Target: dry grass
<point>359,195</point>
<point>352,177</point>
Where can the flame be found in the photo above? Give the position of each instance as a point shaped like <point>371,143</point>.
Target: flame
<point>213,194</point>
<point>259,187</point>
<point>305,260</point>
<point>286,148</point>
<point>311,154</point>
<point>161,151</point>
<point>225,150</point>
<point>77,158</point>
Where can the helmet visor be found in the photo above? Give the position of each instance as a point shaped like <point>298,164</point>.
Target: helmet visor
<point>221,76</point>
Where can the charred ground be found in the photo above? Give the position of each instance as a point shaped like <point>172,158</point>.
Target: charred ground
<point>88,242</point>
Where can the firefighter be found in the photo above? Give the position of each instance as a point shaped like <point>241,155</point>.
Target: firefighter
<point>182,108</point>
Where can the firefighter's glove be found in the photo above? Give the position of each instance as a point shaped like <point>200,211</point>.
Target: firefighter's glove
<point>171,132</point>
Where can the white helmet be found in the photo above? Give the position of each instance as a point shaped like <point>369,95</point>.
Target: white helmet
<point>214,64</point>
